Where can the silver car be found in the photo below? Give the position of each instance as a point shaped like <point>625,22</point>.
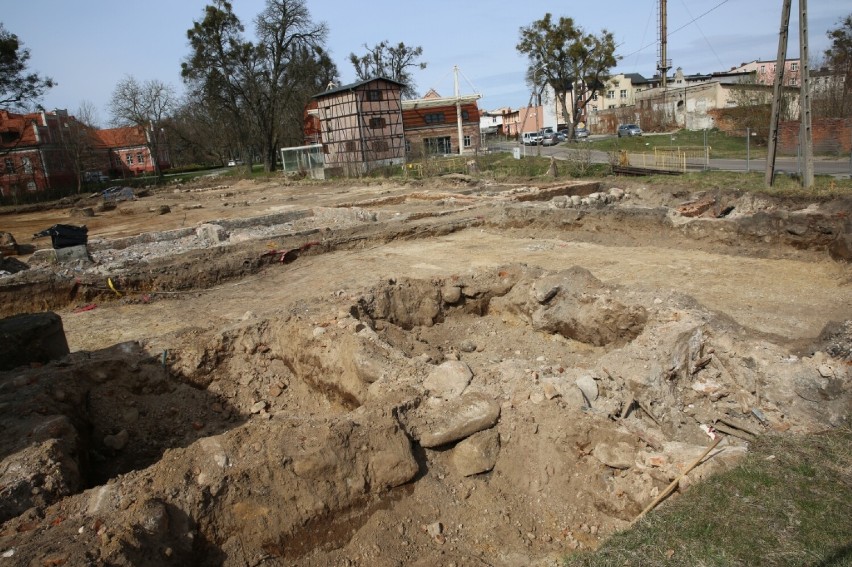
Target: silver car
<point>629,130</point>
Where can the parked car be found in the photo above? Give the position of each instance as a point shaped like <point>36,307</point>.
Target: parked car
<point>581,134</point>
<point>530,138</point>
<point>95,177</point>
<point>550,139</point>
<point>629,130</point>
<point>562,135</point>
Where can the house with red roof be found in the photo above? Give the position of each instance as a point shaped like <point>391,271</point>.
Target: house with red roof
<point>50,151</point>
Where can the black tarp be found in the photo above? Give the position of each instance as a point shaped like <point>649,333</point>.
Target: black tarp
<point>65,235</point>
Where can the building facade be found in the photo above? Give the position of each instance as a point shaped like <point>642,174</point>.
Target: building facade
<point>359,126</point>
<point>52,151</point>
<point>433,124</point>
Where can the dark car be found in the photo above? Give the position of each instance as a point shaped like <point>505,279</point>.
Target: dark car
<point>629,130</point>
<point>550,139</point>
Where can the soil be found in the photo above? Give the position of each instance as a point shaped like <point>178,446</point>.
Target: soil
<point>445,372</point>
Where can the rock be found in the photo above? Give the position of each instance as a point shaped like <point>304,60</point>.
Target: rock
<point>35,337</point>
<point>212,233</point>
<point>841,248</point>
<point>154,517</point>
<point>369,365</point>
<point>258,407</point>
<point>449,379</point>
<point>456,419</point>
<point>588,386</point>
<point>163,210</point>
<point>451,294</point>
<point>476,454</point>
<point>118,441</point>
<point>12,265</point>
<point>8,245</point>
<point>84,212</point>
<point>618,456</point>
<point>616,193</point>
<point>434,529</point>
<point>549,390</point>
<point>467,345</point>
<point>72,254</point>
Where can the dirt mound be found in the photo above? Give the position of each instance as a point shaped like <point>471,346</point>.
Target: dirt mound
<point>470,418</point>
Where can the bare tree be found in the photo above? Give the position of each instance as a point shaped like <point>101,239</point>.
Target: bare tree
<point>79,142</point>
<point>146,105</point>
<point>832,97</point>
<point>264,86</point>
<point>394,62</point>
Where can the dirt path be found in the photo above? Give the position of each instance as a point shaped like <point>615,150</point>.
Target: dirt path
<point>793,299</point>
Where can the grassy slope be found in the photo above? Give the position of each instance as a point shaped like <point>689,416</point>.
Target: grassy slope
<point>789,503</point>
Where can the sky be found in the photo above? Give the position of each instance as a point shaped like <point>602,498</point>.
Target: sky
<point>88,46</point>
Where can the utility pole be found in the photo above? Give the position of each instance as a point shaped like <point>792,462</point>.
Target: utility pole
<point>458,109</point>
<point>776,93</point>
<point>664,64</point>
<point>806,140</point>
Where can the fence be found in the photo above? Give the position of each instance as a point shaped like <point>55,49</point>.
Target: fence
<point>437,166</point>
<point>677,158</point>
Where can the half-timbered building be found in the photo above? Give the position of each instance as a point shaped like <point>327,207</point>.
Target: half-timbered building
<point>360,126</point>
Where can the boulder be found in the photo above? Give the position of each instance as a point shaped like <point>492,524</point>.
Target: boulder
<point>455,419</point>
<point>32,337</point>
<point>449,379</point>
<point>476,454</point>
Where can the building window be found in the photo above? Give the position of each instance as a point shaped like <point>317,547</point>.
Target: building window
<point>377,122</point>
<point>374,95</point>
<point>794,66</point>
<point>610,94</point>
<point>595,96</point>
<point>792,82</point>
<point>129,159</point>
<point>465,115</point>
<point>10,165</point>
<point>438,145</point>
<point>27,165</point>
<point>467,141</point>
<point>31,186</point>
<point>380,145</point>
<point>623,93</point>
<point>435,118</point>
<point>139,159</point>
<point>350,146</point>
<point>762,69</point>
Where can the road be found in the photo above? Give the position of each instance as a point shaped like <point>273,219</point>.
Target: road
<point>822,166</point>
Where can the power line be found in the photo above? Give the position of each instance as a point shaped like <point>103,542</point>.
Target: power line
<point>671,33</point>
<point>685,7</point>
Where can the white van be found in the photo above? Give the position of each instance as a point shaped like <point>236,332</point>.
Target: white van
<point>530,138</point>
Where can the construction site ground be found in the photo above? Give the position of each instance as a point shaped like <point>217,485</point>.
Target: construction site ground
<point>383,373</point>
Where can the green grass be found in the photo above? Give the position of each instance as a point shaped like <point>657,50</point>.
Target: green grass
<point>721,145</point>
<point>825,186</point>
<point>789,503</point>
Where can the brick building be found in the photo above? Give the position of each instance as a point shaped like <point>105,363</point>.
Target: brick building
<point>52,151</point>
